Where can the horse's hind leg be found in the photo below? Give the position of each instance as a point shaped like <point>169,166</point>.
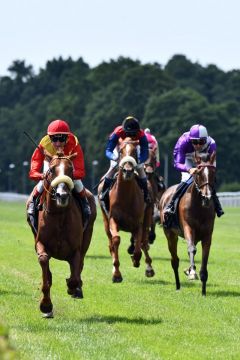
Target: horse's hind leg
<point>46,305</point>
<point>172,246</point>
<point>74,283</point>
<point>145,247</point>
<point>203,271</point>
<point>131,246</point>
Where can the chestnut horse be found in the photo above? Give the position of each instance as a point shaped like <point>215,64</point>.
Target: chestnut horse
<point>60,229</point>
<point>196,215</point>
<point>157,189</point>
<point>127,211</point>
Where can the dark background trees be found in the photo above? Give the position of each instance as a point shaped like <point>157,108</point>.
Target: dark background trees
<point>94,100</point>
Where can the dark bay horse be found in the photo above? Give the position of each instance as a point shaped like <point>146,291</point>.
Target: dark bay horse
<point>196,215</point>
<point>158,188</point>
<point>60,229</point>
<point>127,211</point>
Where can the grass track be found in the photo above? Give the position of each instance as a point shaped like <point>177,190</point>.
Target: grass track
<point>140,318</point>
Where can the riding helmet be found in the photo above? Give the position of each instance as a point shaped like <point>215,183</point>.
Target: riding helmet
<point>198,132</point>
<point>131,125</point>
<point>58,127</point>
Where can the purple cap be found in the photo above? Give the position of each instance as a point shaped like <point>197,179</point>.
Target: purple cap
<point>198,132</point>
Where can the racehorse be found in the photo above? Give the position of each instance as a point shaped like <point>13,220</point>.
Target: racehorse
<point>196,216</point>
<point>158,188</point>
<point>127,211</point>
<point>60,231</point>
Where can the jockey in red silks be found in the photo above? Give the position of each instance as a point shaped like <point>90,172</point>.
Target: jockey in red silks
<point>129,128</point>
<point>59,137</point>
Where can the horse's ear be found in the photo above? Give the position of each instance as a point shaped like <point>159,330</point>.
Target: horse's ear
<point>48,156</point>
<point>213,157</point>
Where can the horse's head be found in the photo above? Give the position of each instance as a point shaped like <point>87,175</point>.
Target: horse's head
<point>128,157</point>
<point>150,164</point>
<point>204,177</point>
<point>59,178</point>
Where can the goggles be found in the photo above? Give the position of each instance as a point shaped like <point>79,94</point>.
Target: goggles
<point>199,141</point>
<point>61,138</point>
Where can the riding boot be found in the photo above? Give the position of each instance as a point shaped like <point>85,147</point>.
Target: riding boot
<point>106,187</point>
<point>217,205</point>
<point>143,184</point>
<point>170,209</point>
<point>84,204</point>
<point>32,209</point>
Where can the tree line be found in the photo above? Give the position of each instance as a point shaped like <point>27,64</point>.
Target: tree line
<point>168,100</point>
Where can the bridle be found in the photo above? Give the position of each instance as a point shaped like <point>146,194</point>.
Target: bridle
<point>48,176</point>
<point>206,183</point>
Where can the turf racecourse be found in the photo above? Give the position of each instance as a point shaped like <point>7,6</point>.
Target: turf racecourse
<point>140,318</point>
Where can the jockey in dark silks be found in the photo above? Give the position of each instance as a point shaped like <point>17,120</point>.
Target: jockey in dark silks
<point>129,128</point>
<point>194,141</point>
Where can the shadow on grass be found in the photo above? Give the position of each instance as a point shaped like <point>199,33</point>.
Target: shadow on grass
<point>99,256</point>
<point>222,293</point>
<point>153,282</point>
<point>121,319</point>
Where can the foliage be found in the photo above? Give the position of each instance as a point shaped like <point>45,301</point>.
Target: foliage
<point>235,186</point>
<point>168,100</point>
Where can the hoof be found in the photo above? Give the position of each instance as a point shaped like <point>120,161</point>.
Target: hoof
<point>117,279</point>
<point>151,238</point>
<point>149,273</point>
<point>48,315</point>
<point>191,274</point>
<point>78,294</point>
<point>136,263</point>
<point>46,308</point>
<point>130,250</point>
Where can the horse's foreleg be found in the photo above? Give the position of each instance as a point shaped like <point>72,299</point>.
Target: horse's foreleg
<point>46,306</point>
<point>206,244</point>
<point>172,246</point>
<point>137,253</point>
<point>191,272</point>
<point>74,283</point>
<point>192,250</point>
<point>114,245</point>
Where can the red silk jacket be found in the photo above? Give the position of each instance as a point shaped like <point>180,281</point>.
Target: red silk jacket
<point>72,146</point>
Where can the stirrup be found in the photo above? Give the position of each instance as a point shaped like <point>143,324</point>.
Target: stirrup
<point>220,212</point>
<point>169,210</point>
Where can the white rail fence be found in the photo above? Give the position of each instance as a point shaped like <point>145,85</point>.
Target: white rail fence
<point>228,199</point>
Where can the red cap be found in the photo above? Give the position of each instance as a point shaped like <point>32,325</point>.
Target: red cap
<point>58,127</point>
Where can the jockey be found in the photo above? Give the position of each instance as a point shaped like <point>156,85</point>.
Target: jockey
<point>59,137</point>
<point>129,128</point>
<point>194,141</point>
<point>153,145</point>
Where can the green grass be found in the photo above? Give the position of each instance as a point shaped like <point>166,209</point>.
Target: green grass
<point>140,318</point>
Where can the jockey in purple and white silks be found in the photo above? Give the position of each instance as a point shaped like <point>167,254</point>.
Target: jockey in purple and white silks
<point>196,141</point>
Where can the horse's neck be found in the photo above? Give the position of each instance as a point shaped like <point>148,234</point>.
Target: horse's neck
<point>194,194</point>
